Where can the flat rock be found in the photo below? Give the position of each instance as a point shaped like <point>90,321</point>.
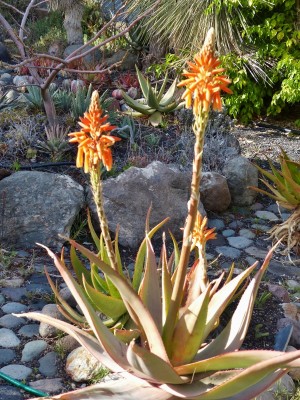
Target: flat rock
<point>256,252</point>
<point>29,330</point>
<point>14,307</point>
<point>6,356</point>
<point>247,233</point>
<point>47,330</point>
<point>8,338</point>
<point>229,252</point>
<point>17,371</point>
<point>50,386</point>
<point>11,322</point>
<point>10,393</point>
<point>216,223</point>
<point>239,242</point>
<point>47,365</point>
<point>266,215</point>
<point>33,349</point>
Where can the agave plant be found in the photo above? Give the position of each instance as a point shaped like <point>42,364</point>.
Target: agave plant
<point>286,192</point>
<point>155,102</point>
<point>171,353</point>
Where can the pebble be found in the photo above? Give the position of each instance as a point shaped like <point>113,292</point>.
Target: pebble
<point>27,353</point>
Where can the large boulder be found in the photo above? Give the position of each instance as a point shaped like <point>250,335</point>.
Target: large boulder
<point>128,197</point>
<point>241,174</point>
<point>214,191</point>
<point>37,207</point>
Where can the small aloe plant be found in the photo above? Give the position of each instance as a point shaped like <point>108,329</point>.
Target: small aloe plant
<point>173,312</point>
<point>155,102</point>
<point>285,190</point>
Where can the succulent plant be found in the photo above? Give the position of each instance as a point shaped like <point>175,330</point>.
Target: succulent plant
<point>285,190</point>
<point>155,102</point>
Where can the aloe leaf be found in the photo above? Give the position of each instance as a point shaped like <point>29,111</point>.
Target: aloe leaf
<point>79,268</point>
<point>168,96</point>
<point>166,283</point>
<point>84,338</point>
<point>115,349</point>
<point>151,99</point>
<point>140,257</point>
<point>168,108</point>
<point>162,88</point>
<point>112,290</point>
<point>222,298</point>
<point>108,305</point>
<point>121,389</point>
<point>294,168</point>
<point>176,256</point>
<point>190,329</point>
<point>126,336</point>
<point>93,233</point>
<point>232,336</point>
<point>135,114</point>
<point>146,322</point>
<point>144,83</point>
<point>284,193</point>
<point>137,106</point>
<point>154,367</point>
<point>149,291</point>
<point>117,252</point>
<point>97,282</point>
<point>291,184</point>
<point>155,119</point>
<point>68,311</point>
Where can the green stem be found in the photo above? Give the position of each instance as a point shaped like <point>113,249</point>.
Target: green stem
<point>96,184</point>
<point>177,293</point>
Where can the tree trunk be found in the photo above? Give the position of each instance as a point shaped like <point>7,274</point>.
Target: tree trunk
<point>72,23</point>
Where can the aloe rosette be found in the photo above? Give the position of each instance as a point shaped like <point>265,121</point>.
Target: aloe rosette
<point>172,354</point>
<point>155,102</point>
<point>285,190</point>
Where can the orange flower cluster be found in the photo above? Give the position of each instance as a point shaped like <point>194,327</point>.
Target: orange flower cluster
<point>200,233</point>
<point>94,140</point>
<point>204,82</point>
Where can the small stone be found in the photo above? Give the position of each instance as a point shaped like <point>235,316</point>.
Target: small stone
<point>285,216</point>
<point>68,343</point>
<point>17,371</point>
<point>267,215</point>
<point>256,206</point>
<point>265,396</point>
<point>6,356</point>
<point>247,233</point>
<point>81,365</point>
<point>239,242</point>
<point>52,311</point>
<point>14,307</point>
<point>10,393</point>
<point>292,284</point>
<point>66,294</point>
<point>8,338</point>
<point>290,310</point>
<point>33,349</point>
<point>261,227</point>
<point>48,365</point>
<point>279,292</point>
<point>10,321</point>
<point>216,223</point>
<point>251,260</point>
<point>2,299</point>
<point>228,232</point>
<point>294,373</point>
<point>256,252</point>
<point>50,386</point>
<point>228,252</point>
<point>15,295</point>
<point>236,224</point>
<point>295,338</point>
<point>29,330</point>
<point>285,386</point>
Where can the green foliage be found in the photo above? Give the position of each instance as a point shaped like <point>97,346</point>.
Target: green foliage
<point>81,102</point>
<point>45,31</point>
<point>171,62</point>
<point>34,97</point>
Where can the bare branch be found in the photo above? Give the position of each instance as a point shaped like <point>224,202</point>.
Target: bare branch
<point>41,2</point>
<point>18,42</point>
<point>24,19</point>
<point>11,7</point>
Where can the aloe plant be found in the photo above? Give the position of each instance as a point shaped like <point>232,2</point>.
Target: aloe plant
<point>155,102</point>
<point>285,190</point>
<point>173,312</point>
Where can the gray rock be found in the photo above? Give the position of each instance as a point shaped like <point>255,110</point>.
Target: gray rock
<point>2,299</point>
<point>6,356</point>
<point>8,338</point>
<point>51,386</point>
<point>13,283</point>
<point>239,242</point>
<point>10,321</point>
<point>129,60</point>
<point>260,227</point>
<point>247,233</point>
<point>14,307</point>
<point>48,365</point>
<point>17,371</point>
<point>214,192</point>
<point>241,174</point>
<point>15,295</point>
<point>46,330</point>
<point>55,200</point>
<point>10,393</point>
<point>7,78</point>
<point>256,252</point>
<point>128,197</point>
<point>284,388</point>
<point>29,330</point>
<point>266,215</point>
<point>235,224</point>
<point>229,252</point>
<point>278,268</point>
<point>67,343</point>
<point>20,80</point>
<point>216,223</point>
<point>228,232</point>
<point>295,337</point>
<point>66,294</point>
<point>33,349</point>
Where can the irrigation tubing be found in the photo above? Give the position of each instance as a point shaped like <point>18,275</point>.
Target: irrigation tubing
<point>22,386</point>
<point>40,165</point>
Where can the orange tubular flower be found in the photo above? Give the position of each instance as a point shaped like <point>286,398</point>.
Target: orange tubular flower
<point>204,82</point>
<point>94,140</point>
<point>200,233</point>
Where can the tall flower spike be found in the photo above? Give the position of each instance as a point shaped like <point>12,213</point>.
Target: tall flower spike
<point>204,82</point>
<point>94,139</point>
